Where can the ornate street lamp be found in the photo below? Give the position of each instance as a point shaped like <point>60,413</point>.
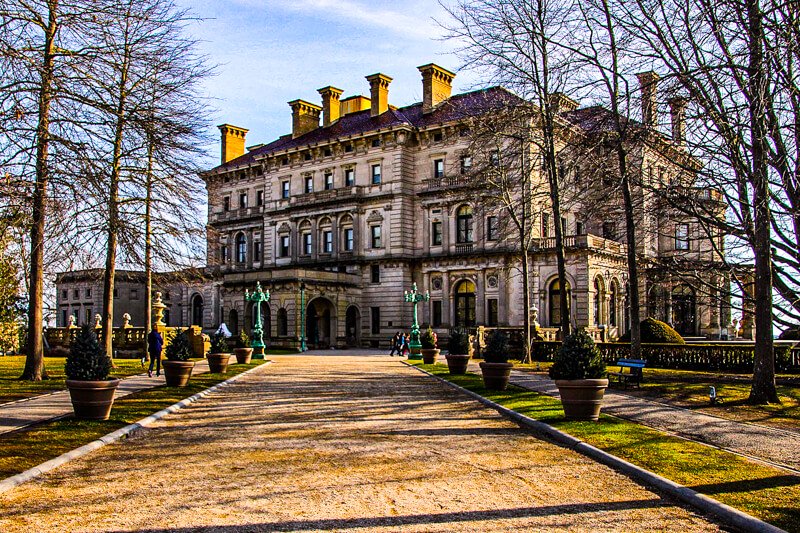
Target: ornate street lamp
<point>415,297</point>
<point>303,347</point>
<point>257,297</point>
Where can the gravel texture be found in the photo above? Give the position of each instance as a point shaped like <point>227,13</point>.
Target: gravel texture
<point>337,443</point>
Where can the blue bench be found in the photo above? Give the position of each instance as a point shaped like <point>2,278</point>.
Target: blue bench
<point>632,376</point>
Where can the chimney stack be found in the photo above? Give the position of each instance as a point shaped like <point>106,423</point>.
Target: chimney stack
<point>648,87</point>
<point>331,107</point>
<point>305,117</point>
<point>677,111</point>
<point>561,103</point>
<point>437,85</point>
<point>379,93</point>
<point>232,138</point>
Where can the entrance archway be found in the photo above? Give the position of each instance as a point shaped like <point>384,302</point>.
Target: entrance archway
<point>464,304</point>
<point>197,310</point>
<point>683,310</point>
<point>353,326</point>
<point>233,321</point>
<point>320,323</point>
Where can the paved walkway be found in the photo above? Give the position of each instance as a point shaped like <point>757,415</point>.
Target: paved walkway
<point>337,443</point>
<point>762,442</point>
<point>17,415</point>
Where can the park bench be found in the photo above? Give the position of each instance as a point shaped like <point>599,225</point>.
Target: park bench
<point>632,376</point>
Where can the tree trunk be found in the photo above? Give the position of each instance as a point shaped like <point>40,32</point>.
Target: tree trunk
<point>34,361</point>
<point>148,246</point>
<point>633,269</point>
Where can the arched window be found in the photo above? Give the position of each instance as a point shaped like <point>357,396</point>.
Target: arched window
<point>465,304</point>
<point>612,303</point>
<point>683,310</point>
<point>464,224</point>
<point>555,302</point>
<point>197,310</point>
<point>599,300</point>
<point>241,248</point>
<point>283,323</point>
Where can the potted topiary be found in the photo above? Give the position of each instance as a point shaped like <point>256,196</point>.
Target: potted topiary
<point>218,356</point>
<point>177,366</point>
<point>458,355</point>
<point>579,372</point>
<point>495,367</point>
<point>87,369</point>
<point>243,351</point>
<point>430,350</point>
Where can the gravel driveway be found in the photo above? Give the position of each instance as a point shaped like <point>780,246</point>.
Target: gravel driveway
<point>337,443</point>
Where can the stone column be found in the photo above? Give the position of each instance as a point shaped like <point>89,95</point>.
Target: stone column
<point>250,247</point>
<point>480,298</point>
<point>447,317</point>
<point>504,300</point>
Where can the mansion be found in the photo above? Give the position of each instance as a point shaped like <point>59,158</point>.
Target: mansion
<point>362,199</point>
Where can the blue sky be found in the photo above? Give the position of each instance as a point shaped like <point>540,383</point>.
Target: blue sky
<point>272,51</point>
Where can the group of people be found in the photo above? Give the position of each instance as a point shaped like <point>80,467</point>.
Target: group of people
<point>400,344</point>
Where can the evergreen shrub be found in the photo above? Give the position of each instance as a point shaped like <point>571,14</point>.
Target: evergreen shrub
<point>179,347</point>
<point>656,332</point>
<point>429,339</point>
<point>496,348</point>
<point>578,358</point>
<point>458,343</point>
<point>218,343</point>
<point>86,360</point>
<point>242,340</point>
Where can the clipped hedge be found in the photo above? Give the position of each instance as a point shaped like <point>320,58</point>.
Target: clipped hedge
<point>656,332</point>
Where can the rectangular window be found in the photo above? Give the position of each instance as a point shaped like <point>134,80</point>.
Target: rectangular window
<point>309,187</point>
<point>242,200</point>
<point>284,246</point>
<point>88,293</point>
<point>466,164</point>
<point>64,318</point>
<point>226,203</point>
<point>88,315</point>
<point>285,189</point>
<point>348,239</point>
<point>376,236</point>
<point>259,198</point>
<point>436,233</point>
<point>375,319</point>
<point>682,236</point>
<point>134,294</point>
<point>327,241</point>
<point>348,148</point>
<point>376,174</point>
<point>376,143</point>
<point>437,137</point>
<point>491,312</point>
<point>223,253</point>
<point>545,224</point>
<point>580,228</point>
<point>438,168</point>
<point>375,273</point>
<point>75,294</point>
<point>609,230</point>
<point>436,313</point>
<point>64,294</point>
<point>350,177</point>
<point>307,244</point>
<point>491,228</point>
<point>328,181</point>
<point>256,250</point>
<point>563,225</point>
<point>494,158</point>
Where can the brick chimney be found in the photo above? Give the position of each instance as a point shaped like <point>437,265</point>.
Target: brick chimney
<point>561,103</point>
<point>677,112</point>
<point>648,88</point>
<point>305,117</point>
<point>331,106</point>
<point>379,93</point>
<point>232,141</point>
<point>437,85</point>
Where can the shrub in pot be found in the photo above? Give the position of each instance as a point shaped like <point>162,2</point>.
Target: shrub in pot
<point>579,372</point>
<point>458,348</point>
<point>495,367</point>
<point>177,366</point>
<point>87,369</point>
<point>218,355</point>
<point>430,346</point>
<point>243,351</point>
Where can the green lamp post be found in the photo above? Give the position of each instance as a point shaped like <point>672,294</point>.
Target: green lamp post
<point>257,297</point>
<point>415,297</point>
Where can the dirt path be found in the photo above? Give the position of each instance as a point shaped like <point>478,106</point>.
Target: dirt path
<point>341,443</point>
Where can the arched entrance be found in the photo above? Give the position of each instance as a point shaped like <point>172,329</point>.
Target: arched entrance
<point>233,321</point>
<point>353,326</point>
<point>683,310</point>
<point>320,323</point>
<point>555,302</point>
<point>197,310</point>
<point>464,297</point>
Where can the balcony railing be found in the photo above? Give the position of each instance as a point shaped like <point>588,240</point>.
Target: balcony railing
<point>593,242</point>
<point>445,182</point>
<point>464,248</point>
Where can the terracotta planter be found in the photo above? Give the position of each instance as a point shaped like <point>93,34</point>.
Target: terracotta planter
<point>457,363</point>
<point>495,375</point>
<point>92,400</point>
<point>177,373</point>
<point>582,398</point>
<point>243,355</point>
<point>218,362</point>
<point>429,355</point>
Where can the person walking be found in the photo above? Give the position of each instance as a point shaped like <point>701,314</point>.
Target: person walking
<point>154,345</point>
<point>404,348</point>
<point>395,344</point>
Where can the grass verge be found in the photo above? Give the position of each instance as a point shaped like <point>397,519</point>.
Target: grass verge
<point>34,445</point>
<point>759,490</point>
<point>12,388</point>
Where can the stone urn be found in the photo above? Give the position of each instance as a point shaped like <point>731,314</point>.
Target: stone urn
<point>457,363</point>
<point>177,373</point>
<point>429,355</point>
<point>582,398</point>
<point>92,400</point>
<point>496,375</point>
<point>218,362</point>
<point>243,355</point>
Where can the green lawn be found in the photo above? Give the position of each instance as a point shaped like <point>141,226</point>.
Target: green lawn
<point>11,388</point>
<point>29,447</point>
<point>767,493</point>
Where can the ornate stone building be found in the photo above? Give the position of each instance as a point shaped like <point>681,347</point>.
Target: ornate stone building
<point>339,217</point>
